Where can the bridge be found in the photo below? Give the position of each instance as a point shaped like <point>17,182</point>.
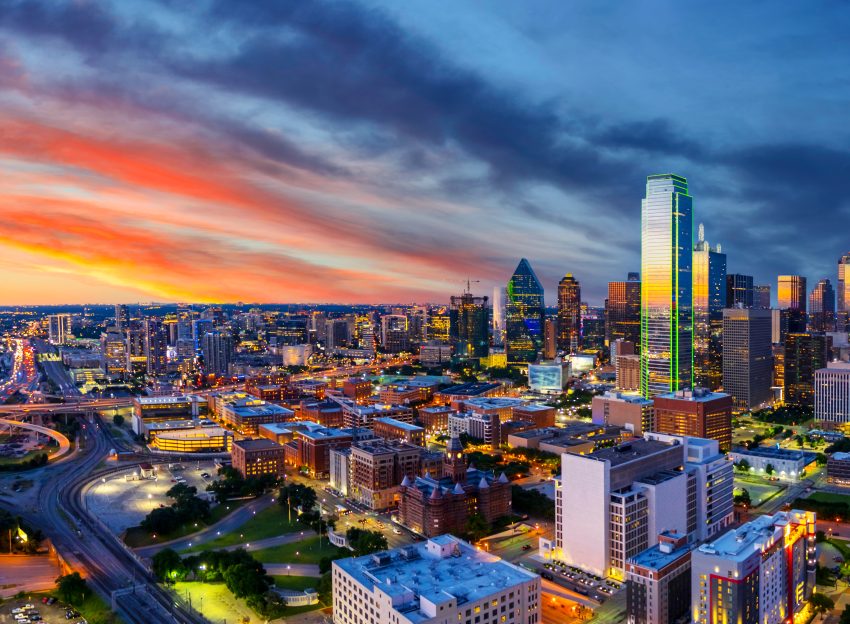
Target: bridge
<point>64,443</point>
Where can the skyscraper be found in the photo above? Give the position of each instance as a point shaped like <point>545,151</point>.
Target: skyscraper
<point>217,349</point>
<point>739,290</point>
<point>156,346</point>
<point>761,296</point>
<point>122,316</point>
<point>524,315</point>
<point>622,311</point>
<point>666,287</point>
<point>498,316</point>
<point>747,356</point>
<point>791,296</point>
<point>804,354</point>
<point>843,303</point>
<point>822,307</point>
<point>59,328</point>
<point>709,298</point>
<point>394,333</point>
<point>468,331</point>
<point>569,314</point>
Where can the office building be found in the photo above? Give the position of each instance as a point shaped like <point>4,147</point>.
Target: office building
<point>761,296</point>
<point>187,437</point>
<point>469,320</point>
<point>355,415</point>
<point>122,316</point>
<point>254,458</point>
<point>325,412</point>
<point>246,414</point>
<point>59,329</point>
<point>155,347</point>
<point>439,326</point>
<point>377,469</point>
<point>622,310</point>
<point>569,314</point>
<point>832,395</point>
<point>747,357</point>
<point>340,470</point>
<point>627,371</point>
<point>541,415</point>
<point>311,445</point>
<point>592,328</point>
<point>394,336</point>
<point>658,582</point>
<point>838,469</point>
<point>697,413</point>
<point>338,332</point>
<point>778,325</point>
<point>709,284</point>
<point>357,388</point>
<point>739,291</point>
<point>784,464</point>
<point>217,350</point>
<point>550,337</point>
<point>632,412</point>
<point>433,353</point>
<point>843,293</point>
<point>392,429</point>
<point>620,347</point>
<point>435,418</point>
<point>523,315</point>
<point>804,354</point>
<point>761,572</point>
<point>113,351</point>
<point>666,288</point>
<point>612,503</point>
<point>498,316</point>
<point>791,297</point>
<point>822,307</point>
<point>442,580</point>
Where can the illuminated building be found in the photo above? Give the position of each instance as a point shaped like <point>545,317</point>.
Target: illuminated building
<point>122,316</point>
<point>394,337</point>
<point>253,458</point>
<point>217,350</point>
<point>498,316</point>
<point>709,283</point>
<point>417,328</point>
<point>357,388</point>
<point>843,298</point>
<point>658,582</point>
<point>541,415</point>
<point>156,347</point>
<point>439,326</point>
<point>188,437</point>
<point>246,414</point>
<point>739,291</point>
<point>592,328</point>
<point>392,429</point>
<point>337,333</point>
<point>838,469</point>
<point>786,464</point>
<point>524,315</point>
<point>791,296</point>
<point>622,310</point>
<point>747,356</point>
<point>550,337</point>
<point>804,354</point>
<point>634,413</point>
<point>113,351</point>
<point>627,371</point>
<point>469,319</point>
<point>59,329</point>
<point>832,394</point>
<point>697,413</point>
<point>548,377</point>
<point>761,572</point>
<point>666,286</point>
<point>822,307</point>
<point>761,296</point>
<point>434,353</point>
<point>313,444</point>
<point>378,469</point>
<point>569,314</point>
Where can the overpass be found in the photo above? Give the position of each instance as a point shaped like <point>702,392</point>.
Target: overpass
<point>64,443</point>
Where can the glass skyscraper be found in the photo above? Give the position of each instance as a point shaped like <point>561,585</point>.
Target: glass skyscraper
<point>523,315</point>
<point>469,317</point>
<point>843,299</point>
<point>709,297</point>
<point>666,354</point>
<point>569,314</point>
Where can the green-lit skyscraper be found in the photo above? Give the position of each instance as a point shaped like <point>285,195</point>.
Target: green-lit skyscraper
<point>523,315</point>
<point>666,323</point>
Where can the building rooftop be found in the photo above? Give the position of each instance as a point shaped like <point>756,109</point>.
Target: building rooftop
<point>381,447</point>
<point>323,433</point>
<point>161,400</point>
<point>397,423</point>
<point>739,544</point>
<point>629,451</point>
<point>535,407</point>
<point>486,403</point>
<point>436,570</point>
<point>657,557</point>
<point>771,452</point>
<point>627,398</point>
<point>256,444</point>
<point>697,395</point>
<point>470,389</point>
<point>841,456</point>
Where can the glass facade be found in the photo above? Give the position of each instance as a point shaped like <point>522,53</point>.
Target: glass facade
<point>709,284</point>
<point>622,311</point>
<point>569,314</point>
<point>843,293</point>
<point>469,331</point>
<point>822,307</point>
<point>666,354</point>
<point>740,291</point>
<point>524,315</point>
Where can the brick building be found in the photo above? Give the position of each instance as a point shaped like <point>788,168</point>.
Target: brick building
<point>697,413</point>
<point>252,458</point>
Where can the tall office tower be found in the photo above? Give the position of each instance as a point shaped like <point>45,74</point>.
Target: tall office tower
<point>709,299</point>
<point>614,502</point>
<point>761,296</point>
<point>622,310</point>
<point>200,327</point>
<point>469,317</point>
<point>843,303</point>
<point>698,413</point>
<point>290,330</point>
<point>59,328</point>
<point>122,316</point>
<point>217,349</point>
<point>791,296</point>
<point>439,325</point>
<point>417,319</point>
<point>550,337</point>
<point>592,328</point>
<point>739,290</point>
<point>337,333</point>
<point>394,337</point>
<point>822,307</point>
<point>747,356</point>
<point>524,315</point>
<point>156,346</point>
<point>569,314</point>
<point>666,334</point>
<point>763,571</point>
<point>832,395</point>
<point>804,354</point>
<point>113,352</point>
<point>498,316</point>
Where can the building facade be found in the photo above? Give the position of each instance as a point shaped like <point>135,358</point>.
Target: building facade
<point>697,413</point>
<point>622,310</point>
<point>747,356</point>
<point>658,582</point>
<point>569,314</point>
<point>524,314</point>
<point>709,284</point>
<point>832,395</point>
<point>469,321</point>
<point>254,458</point>
<point>822,307</point>
<point>804,354</point>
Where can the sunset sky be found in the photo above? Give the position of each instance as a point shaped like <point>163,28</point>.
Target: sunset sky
<point>386,151</point>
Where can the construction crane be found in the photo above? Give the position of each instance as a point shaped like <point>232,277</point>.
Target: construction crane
<point>469,283</point>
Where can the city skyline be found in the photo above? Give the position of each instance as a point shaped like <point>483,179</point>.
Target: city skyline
<point>142,159</point>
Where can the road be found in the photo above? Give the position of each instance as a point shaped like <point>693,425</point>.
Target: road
<point>64,443</point>
<point>26,573</point>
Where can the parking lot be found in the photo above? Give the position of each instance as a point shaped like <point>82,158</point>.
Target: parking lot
<point>34,610</point>
<point>579,581</point>
<point>122,500</point>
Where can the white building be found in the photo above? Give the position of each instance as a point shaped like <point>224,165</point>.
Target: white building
<point>340,470</point>
<point>295,355</point>
<point>59,328</point>
<point>832,394</point>
<point>548,377</point>
<point>440,581</point>
<point>485,427</point>
<point>786,464</point>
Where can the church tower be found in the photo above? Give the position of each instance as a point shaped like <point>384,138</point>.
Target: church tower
<point>454,463</point>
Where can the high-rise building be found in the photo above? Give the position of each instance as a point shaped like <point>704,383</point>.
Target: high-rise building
<point>697,413</point>
<point>438,581</point>
<point>469,318</point>
<point>524,315</point>
<point>658,582</point>
<point>739,290</point>
<point>122,316</point>
<point>832,394</point>
<point>804,354</point>
<point>634,413</point>
<point>439,325</point>
<point>761,296</point>
<point>747,356</point>
<point>622,310</point>
<point>394,336</point>
<point>156,346</point>
<point>763,571</point>
<point>822,307</point>
<point>569,314</point>
<point>113,352</point>
<point>59,328</point>
<point>791,292</point>
<point>592,328</point>
<point>550,337</point>
<point>666,288</point>
<point>217,350</point>
<point>709,283</point>
<point>843,299</point>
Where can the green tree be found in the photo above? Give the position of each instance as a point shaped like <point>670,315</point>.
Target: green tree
<point>118,419</point>
<point>743,498</point>
<point>821,603</point>
<point>325,588</point>
<point>297,495</point>
<point>743,465</point>
<point>769,469</point>
<point>245,580</point>
<point>72,588</point>
<point>167,566</point>
<point>477,527</point>
<point>365,542</point>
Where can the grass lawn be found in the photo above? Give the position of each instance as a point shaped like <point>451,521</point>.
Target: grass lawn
<point>93,608</point>
<point>826,497</point>
<point>307,550</point>
<point>759,492</point>
<point>5,461</point>
<point>270,522</point>
<point>296,583</point>
<point>136,537</point>
<point>215,602</point>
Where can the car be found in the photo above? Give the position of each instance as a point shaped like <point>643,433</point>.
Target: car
<point>396,530</point>
<point>526,547</point>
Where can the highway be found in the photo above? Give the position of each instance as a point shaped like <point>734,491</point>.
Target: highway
<point>64,443</point>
